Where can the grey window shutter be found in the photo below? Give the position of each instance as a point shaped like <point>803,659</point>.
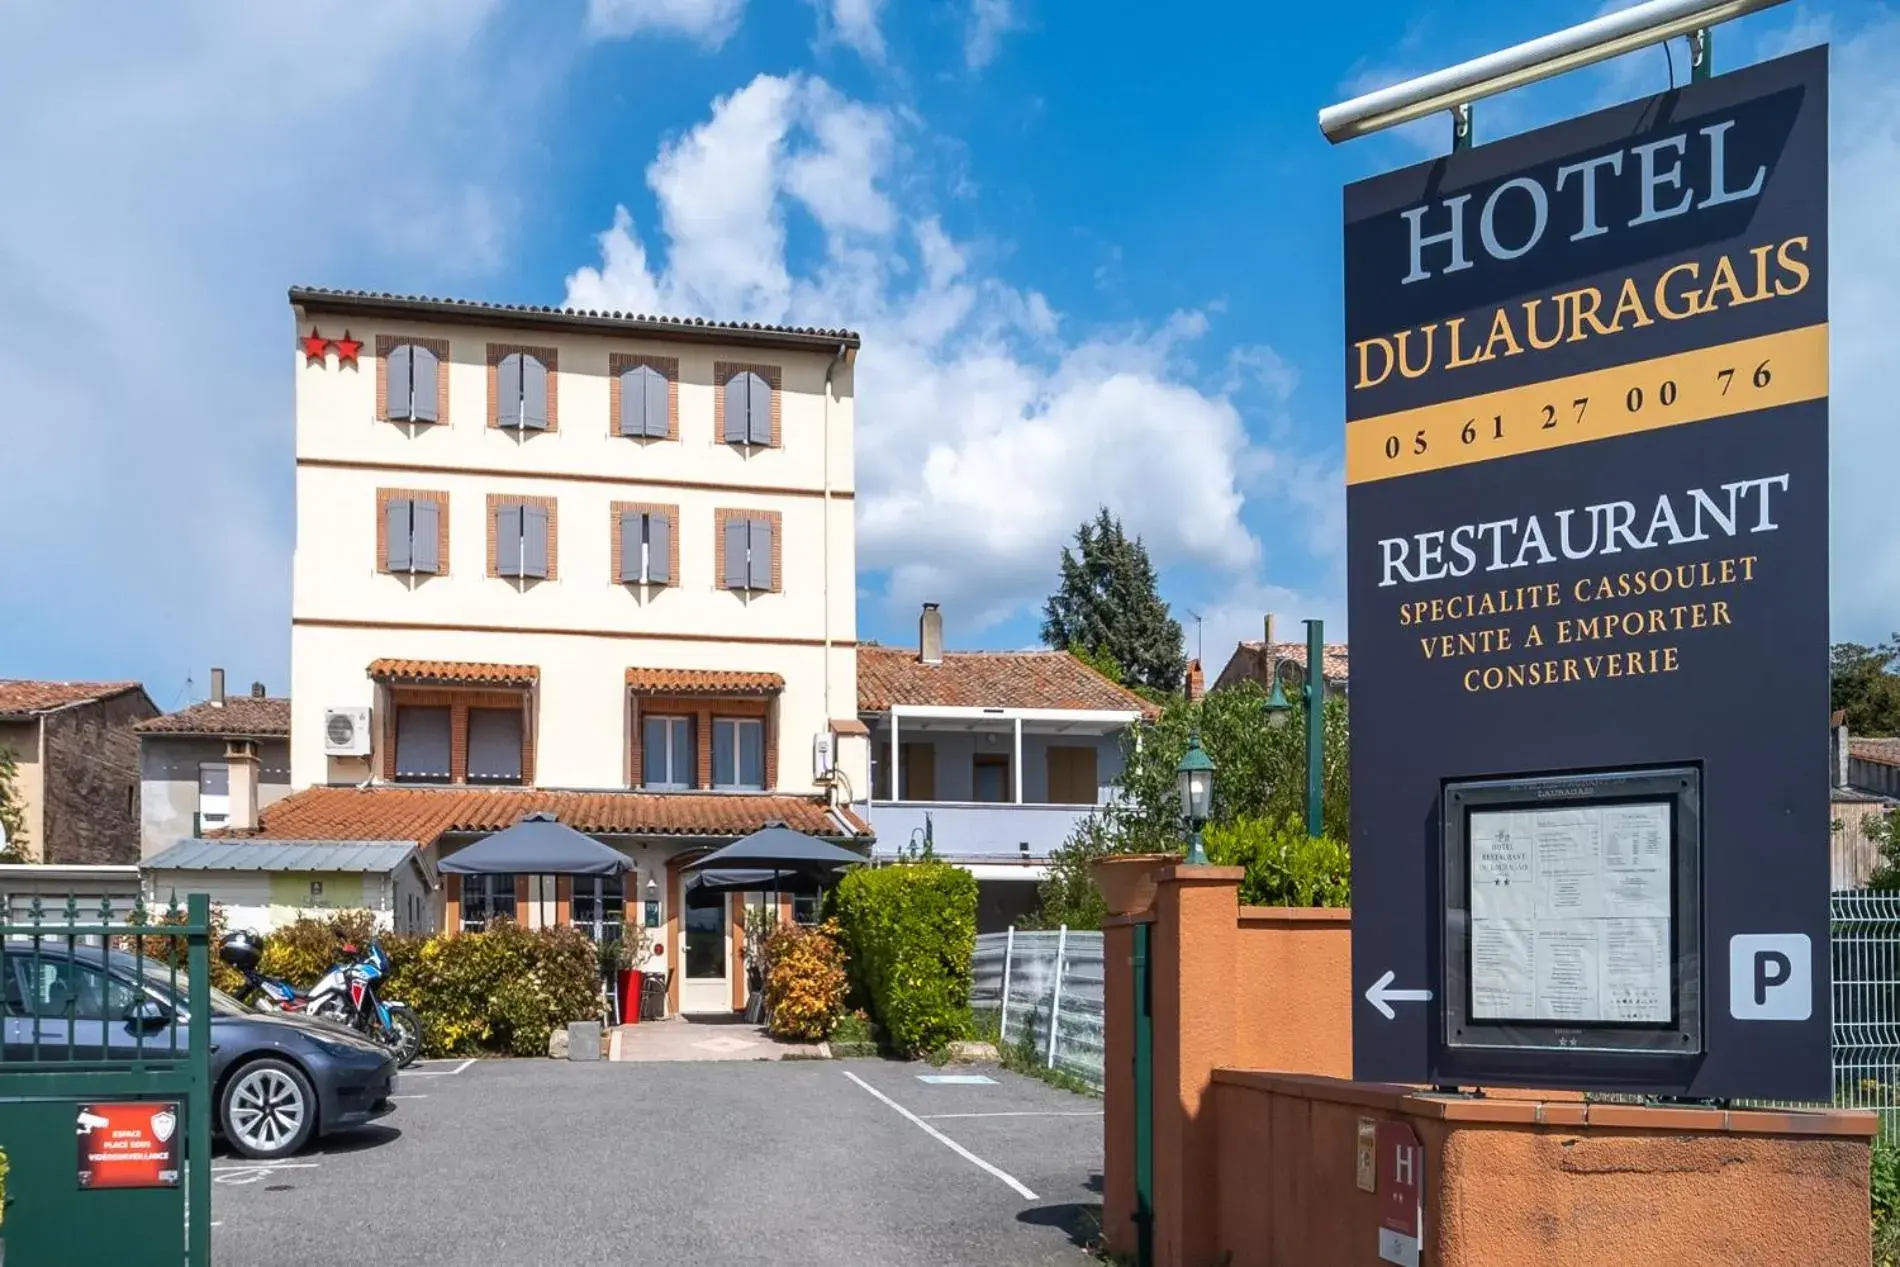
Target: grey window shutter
<point>630,546</point>
<point>734,563</point>
<point>758,409</point>
<point>508,390</point>
<point>398,371</point>
<point>534,394</point>
<point>508,540</point>
<point>659,549</point>
<point>632,420</point>
<point>759,532</point>
<point>422,539</point>
<point>534,541</point>
<point>423,382</point>
<point>397,531</point>
<point>658,407</point>
<point>494,745</point>
<point>736,398</point>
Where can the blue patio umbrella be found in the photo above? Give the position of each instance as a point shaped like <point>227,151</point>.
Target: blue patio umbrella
<point>540,844</point>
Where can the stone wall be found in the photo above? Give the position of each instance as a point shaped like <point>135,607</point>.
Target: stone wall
<point>22,739</point>
<point>91,790</point>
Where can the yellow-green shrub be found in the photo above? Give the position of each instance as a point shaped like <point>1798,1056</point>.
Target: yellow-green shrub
<point>804,981</point>
<point>1285,866</point>
<point>909,932</point>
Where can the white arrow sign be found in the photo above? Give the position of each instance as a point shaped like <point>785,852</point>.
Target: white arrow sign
<point>1382,997</point>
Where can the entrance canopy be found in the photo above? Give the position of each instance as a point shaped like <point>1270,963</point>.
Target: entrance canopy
<point>777,848</point>
<point>751,882</point>
<point>540,844</point>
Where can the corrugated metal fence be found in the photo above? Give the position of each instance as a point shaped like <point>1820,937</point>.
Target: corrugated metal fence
<point>1059,974</point>
<point>1046,986</point>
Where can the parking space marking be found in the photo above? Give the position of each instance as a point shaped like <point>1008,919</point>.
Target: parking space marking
<point>436,1073</point>
<point>408,1097</point>
<point>938,1117</point>
<point>1015,1183</point>
<point>251,1172</point>
<point>956,1079</point>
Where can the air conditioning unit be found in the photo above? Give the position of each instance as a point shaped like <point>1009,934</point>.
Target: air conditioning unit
<point>346,732</point>
<point>821,754</point>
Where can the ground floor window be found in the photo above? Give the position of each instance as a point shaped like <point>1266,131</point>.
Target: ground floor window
<point>599,905</point>
<point>805,908</point>
<point>486,897</point>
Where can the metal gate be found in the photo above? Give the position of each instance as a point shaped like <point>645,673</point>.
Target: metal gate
<point>105,1087</point>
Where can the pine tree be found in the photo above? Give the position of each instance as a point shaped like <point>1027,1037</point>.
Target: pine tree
<point>1107,608</point>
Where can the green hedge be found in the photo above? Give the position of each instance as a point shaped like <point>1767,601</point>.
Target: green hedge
<point>909,932</point>
<point>1285,866</point>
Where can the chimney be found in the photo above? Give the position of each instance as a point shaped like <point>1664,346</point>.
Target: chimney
<point>257,690</point>
<point>217,688</point>
<point>240,755</point>
<point>1267,632</point>
<point>1196,684</point>
<point>930,635</point>
<point>1840,749</point>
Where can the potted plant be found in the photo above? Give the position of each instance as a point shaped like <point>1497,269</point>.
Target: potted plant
<point>1127,880</point>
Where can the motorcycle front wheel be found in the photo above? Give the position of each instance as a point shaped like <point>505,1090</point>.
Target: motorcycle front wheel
<point>404,1035</point>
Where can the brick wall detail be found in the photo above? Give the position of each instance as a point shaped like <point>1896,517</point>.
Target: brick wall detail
<point>90,798</point>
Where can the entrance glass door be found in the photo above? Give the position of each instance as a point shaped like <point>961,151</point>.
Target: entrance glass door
<point>707,987</point>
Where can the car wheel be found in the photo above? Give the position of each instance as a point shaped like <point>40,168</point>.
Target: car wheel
<point>268,1109</point>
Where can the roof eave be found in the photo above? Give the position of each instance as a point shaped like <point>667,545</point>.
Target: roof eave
<point>464,312</point>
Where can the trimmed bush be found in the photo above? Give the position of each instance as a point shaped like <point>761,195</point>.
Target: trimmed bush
<point>176,950</point>
<point>804,981</point>
<point>909,932</point>
<point>1285,866</point>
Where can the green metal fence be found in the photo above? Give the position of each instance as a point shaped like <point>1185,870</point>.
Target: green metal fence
<point>105,1085</point>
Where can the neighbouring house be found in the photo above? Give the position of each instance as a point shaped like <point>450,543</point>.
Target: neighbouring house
<point>1864,775</point>
<point>77,759</point>
<point>213,765</point>
<point>596,565</point>
<point>264,884</point>
<point>1261,661</point>
<point>994,756</point>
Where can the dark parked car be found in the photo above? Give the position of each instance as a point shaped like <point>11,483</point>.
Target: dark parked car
<point>280,1080</point>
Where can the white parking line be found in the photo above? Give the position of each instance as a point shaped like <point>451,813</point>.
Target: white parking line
<point>938,1117</point>
<point>408,1097</point>
<point>253,1171</point>
<point>946,1141</point>
<point>436,1073</point>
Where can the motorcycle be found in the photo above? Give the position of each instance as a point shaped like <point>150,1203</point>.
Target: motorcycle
<point>347,994</point>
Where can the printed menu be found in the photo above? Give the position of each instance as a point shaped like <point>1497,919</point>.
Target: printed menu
<point>1570,915</point>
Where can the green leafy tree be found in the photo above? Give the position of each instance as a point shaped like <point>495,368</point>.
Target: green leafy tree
<point>1107,608</point>
<point>1260,778</point>
<point>12,810</point>
<point>1863,682</point>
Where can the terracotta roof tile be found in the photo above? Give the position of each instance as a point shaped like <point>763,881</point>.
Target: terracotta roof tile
<point>987,679</point>
<point>424,814</point>
<point>28,699</point>
<point>241,717</point>
<point>453,673</point>
<point>703,682</point>
<point>1878,751</point>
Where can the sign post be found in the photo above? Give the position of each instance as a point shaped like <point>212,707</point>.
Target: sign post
<point>1401,1185</point>
<point>1586,457</point>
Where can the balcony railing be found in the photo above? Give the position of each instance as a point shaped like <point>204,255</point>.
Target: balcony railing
<point>975,830</point>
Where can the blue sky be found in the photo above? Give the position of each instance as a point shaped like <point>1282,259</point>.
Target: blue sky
<point>1095,257</point>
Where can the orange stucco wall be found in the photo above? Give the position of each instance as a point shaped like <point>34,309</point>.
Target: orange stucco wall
<point>1256,1130</point>
<point>1556,1184</point>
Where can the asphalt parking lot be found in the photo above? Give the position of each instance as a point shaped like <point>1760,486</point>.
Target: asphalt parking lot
<point>702,1165</point>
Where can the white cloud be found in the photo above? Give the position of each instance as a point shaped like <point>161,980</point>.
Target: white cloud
<point>987,432</point>
<point>990,21</point>
<point>854,23</point>
<point>709,22</point>
<point>169,174</point>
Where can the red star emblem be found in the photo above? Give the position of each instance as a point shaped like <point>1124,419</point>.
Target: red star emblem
<point>314,347</point>
<point>346,349</point>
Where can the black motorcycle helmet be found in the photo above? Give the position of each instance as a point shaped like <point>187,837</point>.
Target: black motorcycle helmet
<point>241,949</point>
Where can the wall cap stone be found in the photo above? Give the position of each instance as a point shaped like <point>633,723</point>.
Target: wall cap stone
<point>1341,915</point>
<point>1413,1102</point>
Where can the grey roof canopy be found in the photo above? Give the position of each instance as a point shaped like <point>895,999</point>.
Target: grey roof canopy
<point>776,847</point>
<point>540,844</point>
<point>282,855</point>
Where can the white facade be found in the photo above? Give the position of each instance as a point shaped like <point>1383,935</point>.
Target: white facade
<point>264,901</point>
<point>581,628</point>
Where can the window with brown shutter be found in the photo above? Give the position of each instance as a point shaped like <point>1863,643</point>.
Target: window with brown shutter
<point>1072,776</point>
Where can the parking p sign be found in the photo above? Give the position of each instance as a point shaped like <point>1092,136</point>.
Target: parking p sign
<point>1770,977</point>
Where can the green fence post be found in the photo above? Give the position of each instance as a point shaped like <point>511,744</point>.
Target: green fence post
<point>1144,1105</point>
<point>198,1170</point>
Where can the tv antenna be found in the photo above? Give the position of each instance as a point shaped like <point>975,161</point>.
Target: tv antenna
<point>1196,617</point>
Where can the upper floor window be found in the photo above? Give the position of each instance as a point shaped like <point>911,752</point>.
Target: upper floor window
<point>643,396</point>
<point>413,531</point>
<point>521,538</point>
<point>521,384</point>
<point>422,744</point>
<point>643,545</point>
<point>739,754</point>
<point>411,378</point>
<point>748,551</point>
<point>667,750</point>
<point>214,795</point>
<point>494,745</point>
<point>747,405</point>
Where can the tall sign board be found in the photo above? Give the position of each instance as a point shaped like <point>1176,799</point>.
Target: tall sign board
<point>1586,458</point>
